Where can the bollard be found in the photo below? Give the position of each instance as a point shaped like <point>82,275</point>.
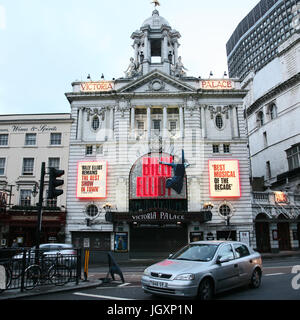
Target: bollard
<point>86,264</point>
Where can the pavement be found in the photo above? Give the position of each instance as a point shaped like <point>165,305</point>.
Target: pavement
<point>132,271</point>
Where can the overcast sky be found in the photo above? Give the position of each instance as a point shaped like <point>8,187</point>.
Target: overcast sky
<point>45,45</point>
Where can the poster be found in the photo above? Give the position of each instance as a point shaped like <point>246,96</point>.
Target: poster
<point>121,242</point>
<point>224,179</point>
<point>245,237</point>
<point>91,180</point>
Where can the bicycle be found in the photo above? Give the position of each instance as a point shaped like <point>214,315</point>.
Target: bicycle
<point>45,270</point>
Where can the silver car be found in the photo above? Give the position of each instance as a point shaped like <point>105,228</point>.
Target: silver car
<point>204,268</point>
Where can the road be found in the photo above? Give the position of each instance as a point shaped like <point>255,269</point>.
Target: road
<point>276,285</point>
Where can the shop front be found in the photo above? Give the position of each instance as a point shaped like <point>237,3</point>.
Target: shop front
<point>22,226</point>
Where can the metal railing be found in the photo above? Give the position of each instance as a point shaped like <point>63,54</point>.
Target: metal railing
<point>27,268</point>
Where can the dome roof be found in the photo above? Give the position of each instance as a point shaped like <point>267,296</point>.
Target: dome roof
<point>156,21</point>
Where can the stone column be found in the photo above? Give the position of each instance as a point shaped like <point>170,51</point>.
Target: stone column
<point>181,121</point>
<point>175,51</point>
<point>165,47</point>
<point>235,122</point>
<point>203,121</point>
<point>149,122</point>
<point>135,50</point>
<point>146,54</point>
<point>80,123</point>
<point>165,122</point>
<point>132,120</point>
<point>111,123</point>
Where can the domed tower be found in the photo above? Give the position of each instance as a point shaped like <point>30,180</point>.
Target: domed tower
<point>155,47</point>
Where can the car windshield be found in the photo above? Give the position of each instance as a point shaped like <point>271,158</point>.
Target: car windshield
<point>196,252</point>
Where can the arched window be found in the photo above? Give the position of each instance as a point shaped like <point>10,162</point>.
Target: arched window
<point>219,121</point>
<point>273,111</point>
<point>260,118</point>
<point>95,123</point>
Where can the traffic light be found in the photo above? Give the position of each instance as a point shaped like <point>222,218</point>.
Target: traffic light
<point>54,183</point>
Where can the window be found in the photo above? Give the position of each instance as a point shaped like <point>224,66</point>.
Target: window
<point>54,163</point>
<point>28,166</point>
<point>140,125</point>
<point>273,111</point>
<point>265,139</point>
<point>2,166</point>
<point>172,125</point>
<point>99,149</point>
<point>156,124</point>
<point>224,210</point>
<point>55,138</point>
<point>226,253</point>
<point>30,139</point>
<point>215,148</point>
<point>268,170</point>
<point>25,198</point>
<point>89,150</point>
<point>241,250</point>
<point>219,121</point>
<point>226,148</point>
<point>52,203</point>
<point>92,211</point>
<point>95,123</point>
<point>3,139</point>
<point>293,157</point>
<point>260,118</point>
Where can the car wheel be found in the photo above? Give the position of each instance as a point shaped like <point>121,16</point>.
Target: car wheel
<point>205,290</point>
<point>255,279</point>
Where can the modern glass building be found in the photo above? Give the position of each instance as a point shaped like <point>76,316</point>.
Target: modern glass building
<point>255,41</point>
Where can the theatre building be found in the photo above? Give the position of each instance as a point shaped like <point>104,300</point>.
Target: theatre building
<point>158,158</point>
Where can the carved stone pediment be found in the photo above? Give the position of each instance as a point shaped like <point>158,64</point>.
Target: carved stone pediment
<point>157,81</point>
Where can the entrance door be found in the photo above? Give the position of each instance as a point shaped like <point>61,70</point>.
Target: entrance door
<point>284,236</point>
<point>156,242</point>
<point>262,236</point>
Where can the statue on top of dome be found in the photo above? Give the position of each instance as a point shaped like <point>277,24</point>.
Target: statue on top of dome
<point>156,3</point>
<point>178,69</point>
<point>133,69</point>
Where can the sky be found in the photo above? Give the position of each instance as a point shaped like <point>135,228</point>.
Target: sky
<point>45,45</point>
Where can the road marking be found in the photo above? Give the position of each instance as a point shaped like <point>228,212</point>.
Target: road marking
<point>123,284</point>
<point>103,288</point>
<point>278,267</point>
<point>99,296</point>
<point>274,274</point>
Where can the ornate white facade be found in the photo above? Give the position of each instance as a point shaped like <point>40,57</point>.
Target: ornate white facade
<point>157,109</point>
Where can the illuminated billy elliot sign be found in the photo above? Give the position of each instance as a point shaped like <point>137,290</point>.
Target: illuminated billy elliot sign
<point>224,179</point>
<point>148,178</point>
<point>91,180</point>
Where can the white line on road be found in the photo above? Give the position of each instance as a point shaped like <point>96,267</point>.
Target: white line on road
<point>104,288</point>
<point>99,297</point>
<point>123,284</point>
<point>274,274</point>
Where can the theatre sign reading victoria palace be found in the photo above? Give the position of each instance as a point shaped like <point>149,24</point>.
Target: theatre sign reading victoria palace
<point>118,195</point>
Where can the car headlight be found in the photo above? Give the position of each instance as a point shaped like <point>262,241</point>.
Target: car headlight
<point>185,276</point>
<point>146,272</point>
